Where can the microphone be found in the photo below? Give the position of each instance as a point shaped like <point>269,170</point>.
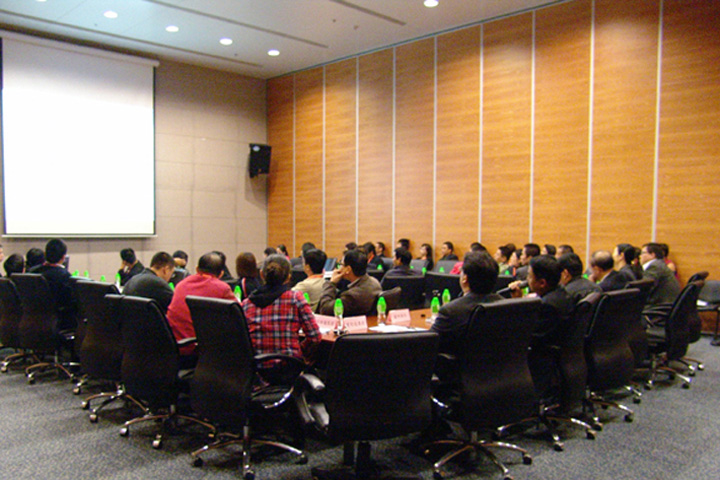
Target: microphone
<point>505,292</point>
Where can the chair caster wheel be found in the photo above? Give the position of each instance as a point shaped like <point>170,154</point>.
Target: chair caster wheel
<point>31,380</point>
<point>508,477</point>
<point>558,446</point>
<point>648,386</point>
<point>701,366</point>
<point>198,462</point>
<point>628,418</point>
<point>686,385</point>
<point>590,435</point>
<point>124,432</point>
<point>77,391</point>
<point>249,475</point>
<point>93,418</point>
<point>691,373</point>
<point>597,426</point>
<point>637,400</point>
<point>85,405</point>
<point>527,459</point>
<point>302,460</point>
<point>157,444</point>
<point>4,369</point>
<point>437,476</point>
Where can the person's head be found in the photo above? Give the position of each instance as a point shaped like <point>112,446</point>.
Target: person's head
<point>14,264</point>
<point>446,249</point>
<point>624,254</point>
<point>55,251</point>
<point>350,246</point>
<point>315,260</point>
<point>503,253</point>
<point>529,251</point>
<point>163,265</point>
<point>246,265</point>
<point>665,249</point>
<point>276,270</point>
<point>479,272</point>
<point>548,249</point>
<point>211,263</point>
<point>269,251</point>
<point>426,251</point>
<point>601,263</point>
<point>570,266</point>
<point>128,256</point>
<point>477,247</point>
<point>369,249</point>
<point>33,257</point>
<point>404,243</point>
<point>380,249</point>
<point>651,251</point>
<point>544,274</point>
<point>563,249</point>
<point>402,256</point>
<point>282,250</point>
<point>180,258</point>
<point>514,260</point>
<point>307,246</point>
<point>354,264</point>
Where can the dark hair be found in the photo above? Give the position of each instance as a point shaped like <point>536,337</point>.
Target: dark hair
<point>180,254</point>
<point>550,248</point>
<point>357,261</point>
<point>162,259</point>
<point>481,271</point>
<point>572,263</point>
<point>532,249</point>
<point>315,259</point>
<point>405,243</point>
<point>128,255</point>
<point>283,248</point>
<point>450,245</point>
<point>382,245</point>
<point>603,260</point>
<point>246,265</point>
<point>506,250</point>
<point>368,248</point>
<point>477,247</point>
<point>666,249</point>
<point>565,249</point>
<point>33,257</point>
<point>276,270</point>
<point>403,255</point>
<point>546,267</point>
<point>351,246</point>
<point>211,263</point>
<point>656,249</point>
<point>627,251</point>
<point>269,251</point>
<point>430,262</point>
<point>307,246</point>
<point>14,264</point>
<point>55,250</point>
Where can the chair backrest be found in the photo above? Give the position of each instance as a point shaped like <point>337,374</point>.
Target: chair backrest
<point>38,326</point>
<point>417,264</point>
<point>150,361</point>
<point>698,276</point>
<point>297,276</point>
<point>178,276</point>
<point>436,283</point>
<point>375,273</point>
<point>497,387</point>
<point>392,298</point>
<point>610,359</point>
<point>101,348</point>
<point>378,385</point>
<point>10,313</point>
<point>677,326</point>
<point>710,292</point>
<point>413,289</point>
<point>503,281</point>
<point>222,383</point>
<point>644,285</point>
<point>446,266</point>
<point>387,263</point>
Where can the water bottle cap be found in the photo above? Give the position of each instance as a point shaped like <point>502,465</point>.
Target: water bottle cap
<point>381,301</point>
<point>172,286</point>
<point>379,267</point>
<point>441,270</point>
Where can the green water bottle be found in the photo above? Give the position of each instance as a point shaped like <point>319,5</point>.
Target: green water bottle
<point>424,270</point>
<point>441,270</point>
<point>87,274</point>
<point>381,311</point>
<point>380,266</point>
<point>117,280</point>
<point>238,293</point>
<point>172,286</point>
<point>339,323</point>
<point>434,308</point>
<point>307,297</point>
<point>446,296</point>
<point>76,273</point>
<point>102,278</point>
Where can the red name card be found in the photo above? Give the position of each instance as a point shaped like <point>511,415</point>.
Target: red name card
<point>356,324</point>
<point>325,322</point>
<point>399,317</point>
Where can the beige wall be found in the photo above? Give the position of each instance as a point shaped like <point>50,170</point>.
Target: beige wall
<point>205,200</point>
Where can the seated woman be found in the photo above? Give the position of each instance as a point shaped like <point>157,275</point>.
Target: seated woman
<point>247,272</point>
<point>426,253</point>
<point>275,316</point>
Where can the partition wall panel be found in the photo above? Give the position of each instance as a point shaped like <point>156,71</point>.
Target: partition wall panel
<point>458,138</point>
<point>624,117</point>
<point>507,130</point>
<point>562,104</point>
<point>281,206</point>
<point>309,121</point>
<point>689,152</point>
<point>375,146</point>
<point>414,142</point>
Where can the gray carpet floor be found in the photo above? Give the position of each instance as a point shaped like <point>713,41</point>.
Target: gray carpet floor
<point>46,435</point>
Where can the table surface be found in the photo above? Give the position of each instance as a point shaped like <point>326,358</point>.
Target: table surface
<point>418,319</point>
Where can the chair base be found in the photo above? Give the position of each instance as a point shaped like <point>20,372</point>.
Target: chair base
<point>596,399</point>
<point>659,364</point>
<point>548,417</point>
<point>167,419</point>
<point>364,467</point>
<point>110,397</point>
<point>61,368</point>
<point>16,357</point>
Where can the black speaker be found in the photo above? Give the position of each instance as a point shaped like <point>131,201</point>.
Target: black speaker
<point>259,159</point>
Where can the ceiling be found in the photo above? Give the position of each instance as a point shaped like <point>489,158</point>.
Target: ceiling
<point>306,32</point>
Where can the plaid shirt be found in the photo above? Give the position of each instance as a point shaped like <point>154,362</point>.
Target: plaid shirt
<point>274,329</point>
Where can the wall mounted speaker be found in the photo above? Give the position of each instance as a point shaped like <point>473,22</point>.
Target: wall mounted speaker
<point>259,159</point>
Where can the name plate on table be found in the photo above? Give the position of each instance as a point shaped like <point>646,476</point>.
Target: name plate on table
<point>356,324</point>
<point>326,323</point>
<point>399,317</point>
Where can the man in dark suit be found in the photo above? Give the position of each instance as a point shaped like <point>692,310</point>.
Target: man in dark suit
<point>60,282</point>
<point>401,265</point>
<point>666,288</point>
<point>359,297</point>
<point>529,251</point>
<point>603,272</point>
<point>447,251</point>
<point>153,281</point>
<point>577,286</point>
<point>374,262</point>
<point>130,266</point>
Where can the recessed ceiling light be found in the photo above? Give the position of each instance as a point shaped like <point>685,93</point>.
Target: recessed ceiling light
<point>110,14</point>
<point>172,28</point>
<point>226,41</point>
<point>41,1</point>
<point>273,52</point>
<point>430,3</point>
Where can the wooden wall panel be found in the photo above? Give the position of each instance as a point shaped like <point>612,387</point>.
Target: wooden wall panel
<point>458,134</point>
<point>507,95</point>
<point>626,46</point>
<point>375,146</point>
<point>562,104</point>
<point>414,104</point>
<point>340,161</point>
<point>308,158</point>
<point>280,181</point>
<point>689,166</point>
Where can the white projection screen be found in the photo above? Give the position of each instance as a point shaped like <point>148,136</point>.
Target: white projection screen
<point>77,141</point>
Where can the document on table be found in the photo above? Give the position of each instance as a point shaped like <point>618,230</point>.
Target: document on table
<point>393,329</point>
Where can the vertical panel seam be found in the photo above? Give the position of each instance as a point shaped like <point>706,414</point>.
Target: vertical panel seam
<point>294,168</point>
<point>324,114</point>
<point>480,137</point>
<point>591,126</point>
<point>394,124</point>
<point>435,108</point>
<point>532,132</point>
<point>656,153</point>
<point>357,146</point>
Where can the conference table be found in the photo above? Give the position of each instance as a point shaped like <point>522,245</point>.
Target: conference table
<point>419,318</point>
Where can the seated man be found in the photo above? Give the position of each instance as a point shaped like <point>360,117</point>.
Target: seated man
<point>59,280</point>
<point>181,259</point>
<point>603,272</point>
<point>572,277</point>
<point>313,265</point>
<point>447,250</point>
<point>529,251</point>
<point>33,257</point>
<point>153,281</point>
<point>359,297</point>
<point>14,264</point>
<point>401,264</point>
<point>205,283</point>
<point>374,262</point>
<point>474,247</point>
<point>666,287</point>
<point>477,280</point>
<point>129,267</point>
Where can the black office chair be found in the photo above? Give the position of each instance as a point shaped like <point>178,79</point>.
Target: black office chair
<point>417,264</point>
<point>413,289</point>
<point>297,276</point>
<point>496,385</point>
<point>709,301</point>
<point>10,317</point>
<point>644,285</point>
<point>150,363</point>
<point>38,329</point>
<point>222,385</point>
<point>387,263</point>
<point>377,274</point>
<point>178,276</point>
<point>377,386</point>
<point>698,276</point>
<point>502,282</point>
<point>436,283</point>
<point>444,266</point>
<point>392,298</point>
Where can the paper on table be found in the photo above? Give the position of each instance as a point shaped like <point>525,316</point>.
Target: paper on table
<point>391,328</point>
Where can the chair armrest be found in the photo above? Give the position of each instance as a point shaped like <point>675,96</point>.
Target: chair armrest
<point>311,383</point>
<point>263,357</point>
<point>657,310</point>
<point>186,341</point>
